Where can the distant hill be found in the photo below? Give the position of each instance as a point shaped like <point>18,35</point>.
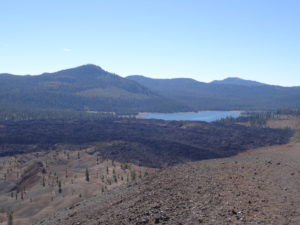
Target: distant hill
<point>84,88</point>
<point>238,81</point>
<point>229,94</point>
<point>90,88</point>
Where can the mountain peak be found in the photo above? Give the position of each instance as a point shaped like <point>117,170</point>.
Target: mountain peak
<point>238,81</point>
<point>87,71</point>
<point>90,66</point>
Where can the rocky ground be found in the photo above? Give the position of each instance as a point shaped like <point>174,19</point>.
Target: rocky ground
<point>34,185</point>
<point>147,143</point>
<point>257,187</point>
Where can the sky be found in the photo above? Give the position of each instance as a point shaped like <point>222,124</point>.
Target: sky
<point>201,39</point>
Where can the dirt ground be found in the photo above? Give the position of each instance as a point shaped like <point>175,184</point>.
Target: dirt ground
<point>261,186</point>
<point>29,183</point>
<point>285,121</point>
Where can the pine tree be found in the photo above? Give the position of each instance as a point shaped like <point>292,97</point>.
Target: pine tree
<point>87,175</point>
<point>44,181</point>
<point>115,179</point>
<point>10,218</point>
<point>59,187</point>
<point>133,174</point>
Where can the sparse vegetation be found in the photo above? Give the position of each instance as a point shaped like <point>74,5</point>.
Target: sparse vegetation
<point>55,184</point>
<point>255,187</point>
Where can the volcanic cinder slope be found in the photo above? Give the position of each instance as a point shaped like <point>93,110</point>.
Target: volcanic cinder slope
<point>257,187</point>
<point>35,185</point>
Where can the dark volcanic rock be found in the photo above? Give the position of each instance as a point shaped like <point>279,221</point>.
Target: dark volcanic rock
<point>144,142</point>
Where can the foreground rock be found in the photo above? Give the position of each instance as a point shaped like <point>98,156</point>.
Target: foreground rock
<point>257,187</point>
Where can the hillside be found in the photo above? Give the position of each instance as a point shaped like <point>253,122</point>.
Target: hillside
<point>37,184</point>
<point>50,176</point>
<point>229,94</point>
<point>84,88</point>
<point>257,187</point>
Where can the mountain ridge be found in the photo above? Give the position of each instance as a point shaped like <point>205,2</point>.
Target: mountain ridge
<point>79,88</point>
<point>228,80</point>
<point>238,81</point>
<point>224,95</point>
<point>91,88</point>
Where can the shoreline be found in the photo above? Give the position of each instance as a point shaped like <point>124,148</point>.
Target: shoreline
<point>143,115</point>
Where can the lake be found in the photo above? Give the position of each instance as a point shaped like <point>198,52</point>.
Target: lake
<point>207,116</point>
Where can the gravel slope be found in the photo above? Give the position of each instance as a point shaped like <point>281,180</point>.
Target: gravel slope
<point>257,187</point>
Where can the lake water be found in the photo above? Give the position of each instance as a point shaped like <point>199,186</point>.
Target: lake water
<point>207,116</point>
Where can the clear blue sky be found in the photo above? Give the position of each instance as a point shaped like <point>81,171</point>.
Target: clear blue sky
<point>202,39</point>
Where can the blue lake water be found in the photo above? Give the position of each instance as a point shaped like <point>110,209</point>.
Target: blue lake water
<point>207,116</point>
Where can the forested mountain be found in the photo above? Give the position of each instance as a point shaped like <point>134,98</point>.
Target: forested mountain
<point>229,94</point>
<point>90,88</point>
<point>84,88</point>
